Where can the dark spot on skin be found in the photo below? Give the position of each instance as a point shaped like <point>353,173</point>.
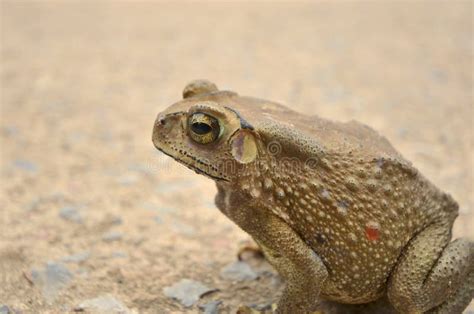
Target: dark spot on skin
<point>320,238</point>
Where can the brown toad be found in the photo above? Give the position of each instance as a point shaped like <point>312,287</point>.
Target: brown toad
<point>335,208</point>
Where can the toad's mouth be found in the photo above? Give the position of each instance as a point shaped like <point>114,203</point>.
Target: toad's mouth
<point>190,162</point>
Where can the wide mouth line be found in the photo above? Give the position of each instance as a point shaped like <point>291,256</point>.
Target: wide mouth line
<point>190,166</point>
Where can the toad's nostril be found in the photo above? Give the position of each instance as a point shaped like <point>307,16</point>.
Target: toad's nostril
<point>162,121</point>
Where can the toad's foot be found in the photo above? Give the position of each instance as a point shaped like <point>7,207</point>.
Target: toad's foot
<point>249,249</point>
<point>244,309</point>
<point>248,310</point>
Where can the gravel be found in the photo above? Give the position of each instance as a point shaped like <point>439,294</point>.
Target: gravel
<point>103,304</point>
<point>211,307</point>
<point>77,258</point>
<point>53,279</point>
<point>71,213</point>
<point>186,291</point>
<point>238,271</point>
<point>112,236</point>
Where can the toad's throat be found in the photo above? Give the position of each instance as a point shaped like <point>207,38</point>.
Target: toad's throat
<point>188,163</point>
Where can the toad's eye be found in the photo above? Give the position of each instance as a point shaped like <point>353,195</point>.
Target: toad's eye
<point>203,128</point>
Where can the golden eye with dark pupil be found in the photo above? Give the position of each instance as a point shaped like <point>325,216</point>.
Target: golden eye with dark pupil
<point>200,128</point>
<point>203,128</point>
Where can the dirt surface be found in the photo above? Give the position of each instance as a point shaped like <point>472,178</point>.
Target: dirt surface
<point>89,208</point>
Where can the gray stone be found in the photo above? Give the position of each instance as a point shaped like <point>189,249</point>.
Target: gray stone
<point>77,258</point>
<point>238,271</point>
<point>186,291</point>
<point>71,213</point>
<point>116,220</point>
<point>119,254</point>
<point>263,307</point>
<point>26,165</point>
<point>53,279</point>
<point>112,236</point>
<point>45,201</point>
<point>103,304</point>
<point>5,309</point>
<point>211,307</point>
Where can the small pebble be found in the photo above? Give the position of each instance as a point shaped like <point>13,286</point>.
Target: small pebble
<point>71,213</point>
<point>186,291</point>
<point>25,165</point>
<point>238,271</point>
<point>103,304</point>
<point>41,201</point>
<point>119,254</point>
<point>112,236</point>
<point>77,258</point>
<point>211,307</point>
<point>116,220</point>
<point>263,307</point>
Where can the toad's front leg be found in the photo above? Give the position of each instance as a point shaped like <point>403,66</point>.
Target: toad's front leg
<point>295,261</point>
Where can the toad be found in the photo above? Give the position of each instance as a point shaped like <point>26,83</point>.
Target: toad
<point>336,210</point>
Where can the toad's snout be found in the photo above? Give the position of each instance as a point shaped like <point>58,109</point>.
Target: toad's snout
<point>162,119</point>
<point>160,129</point>
<point>166,127</point>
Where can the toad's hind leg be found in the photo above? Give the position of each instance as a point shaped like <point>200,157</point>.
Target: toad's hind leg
<point>458,301</point>
<point>433,272</point>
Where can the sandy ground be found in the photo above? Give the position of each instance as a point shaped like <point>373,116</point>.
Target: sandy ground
<point>89,208</point>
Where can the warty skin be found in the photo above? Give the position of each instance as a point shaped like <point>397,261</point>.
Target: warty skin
<point>337,211</point>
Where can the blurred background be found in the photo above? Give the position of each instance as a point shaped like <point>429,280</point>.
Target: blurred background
<point>93,217</point>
